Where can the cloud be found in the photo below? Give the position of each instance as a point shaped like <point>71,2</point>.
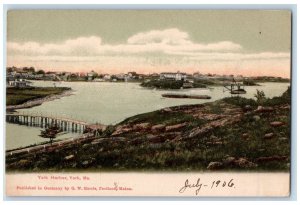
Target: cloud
<point>166,41</point>
<point>78,46</point>
<point>235,56</point>
<point>168,36</point>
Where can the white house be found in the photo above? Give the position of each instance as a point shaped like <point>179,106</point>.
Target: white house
<point>19,83</point>
<point>91,75</point>
<point>107,77</point>
<point>173,76</point>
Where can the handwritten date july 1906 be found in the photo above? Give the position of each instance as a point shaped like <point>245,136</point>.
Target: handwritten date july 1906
<point>198,185</point>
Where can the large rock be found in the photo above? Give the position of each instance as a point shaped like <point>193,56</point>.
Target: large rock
<point>121,129</point>
<point>155,138</point>
<point>214,138</point>
<point>262,109</point>
<point>99,140</point>
<point>247,108</point>
<point>283,139</point>
<point>24,163</point>
<point>269,135</point>
<point>88,163</point>
<point>69,157</point>
<point>142,126</point>
<point>175,127</point>
<point>244,163</point>
<point>276,124</point>
<point>229,161</point>
<point>215,165</point>
<point>211,117</point>
<point>158,128</point>
<point>285,107</point>
<point>85,163</point>
<point>167,109</point>
<point>256,117</point>
<point>245,136</point>
<point>85,146</point>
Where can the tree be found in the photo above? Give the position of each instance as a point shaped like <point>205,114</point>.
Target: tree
<point>30,69</point>
<point>40,72</point>
<point>9,69</point>
<point>50,132</point>
<point>260,96</point>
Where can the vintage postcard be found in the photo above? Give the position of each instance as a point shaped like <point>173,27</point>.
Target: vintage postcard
<point>148,103</point>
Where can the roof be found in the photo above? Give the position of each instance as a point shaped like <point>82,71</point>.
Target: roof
<point>173,73</point>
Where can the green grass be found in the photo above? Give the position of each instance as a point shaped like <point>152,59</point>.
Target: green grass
<point>16,96</point>
<point>163,84</point>
<point>177,84</point>
<point>159,117</point>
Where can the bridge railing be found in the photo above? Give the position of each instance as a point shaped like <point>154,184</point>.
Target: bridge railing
<point>68,125</point>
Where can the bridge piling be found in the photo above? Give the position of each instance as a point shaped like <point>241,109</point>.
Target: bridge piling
<point>66,125</point>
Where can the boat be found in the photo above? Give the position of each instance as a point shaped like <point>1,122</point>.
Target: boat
<point>175,95</point>
<point>235,88</point>
<point>238,91</point>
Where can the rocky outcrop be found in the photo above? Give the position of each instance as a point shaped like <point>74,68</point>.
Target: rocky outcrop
<point>229,162</point>
<point>141,126</point>
<point>121,129</point>
<point>247,108</point>
<point>211,125</point>
<point>69,157</point>
<point>215,165</point>
<point>167,109</point>
<point>261,109</point>
<point>158,128</point>
<point>276,124</point>
<point>256,117</point>
<point>175,127</point>
<point>245,136</point>
<point>210,117</point>
<point>285,107</point>
<point>244,163</point>
<point>269,135</point>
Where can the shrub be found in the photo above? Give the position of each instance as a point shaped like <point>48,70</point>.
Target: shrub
<point>260,96</point>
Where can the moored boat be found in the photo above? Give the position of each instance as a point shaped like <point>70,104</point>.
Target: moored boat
<point>174,95</point>
<point>238,91</point>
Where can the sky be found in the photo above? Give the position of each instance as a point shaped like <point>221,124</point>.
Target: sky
<point>248,42</point>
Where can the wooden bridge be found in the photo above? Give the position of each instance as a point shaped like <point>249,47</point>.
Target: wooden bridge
<point>67,125</point>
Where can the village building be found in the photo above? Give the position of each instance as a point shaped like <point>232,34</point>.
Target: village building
<point>107,77</point>
<point>91,75</point>
<point>18,83</point>
<point>173,76</point>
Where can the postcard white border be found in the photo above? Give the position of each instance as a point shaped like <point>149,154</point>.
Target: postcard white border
<point>294,61</point>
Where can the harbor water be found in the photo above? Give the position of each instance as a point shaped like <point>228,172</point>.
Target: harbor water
<point>109,103</point>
